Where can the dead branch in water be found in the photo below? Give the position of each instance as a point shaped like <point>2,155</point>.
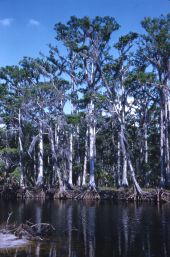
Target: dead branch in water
<point>28,230</point>
<point>9,216</point>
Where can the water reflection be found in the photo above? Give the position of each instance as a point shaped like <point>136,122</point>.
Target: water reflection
<point>93,229</point>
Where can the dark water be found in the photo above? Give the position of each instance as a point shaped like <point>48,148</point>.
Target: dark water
<point>91,229</point>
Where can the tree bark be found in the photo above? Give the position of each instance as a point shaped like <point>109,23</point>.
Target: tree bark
<point>92,144</point>
<point>167,158</point>
<point>55,158</point>
<point>40,176</point>
<point>125,149</point>
<point>162,180</point>
<point>70,180</point>
<point>22,182</point>
<point>145,143</point>
<point>118,164</point>
<point>78,155</point>
<point>124,175</point>
<point>146,153</point>
<point>85,159</point>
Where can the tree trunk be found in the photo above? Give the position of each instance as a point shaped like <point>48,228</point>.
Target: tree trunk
<point>145,143</point>
<point>92,158</point>
<point>92,144</point>
<point>162,180</point>
<point>168,107</point>
<point>132,172</point>
<point>70,180</point>
<point>55,159</point>
<point>78,155</point>
<point>40,177</point>
<point>56,143</point>
<point>118,164</point>
<point>167,158</point>
<point>124,175</point>
<point>79,180</point>
<point>85,159</point>
<point>125,149</point>
<point>145,149</point>
<point>22,182</point>
<point>35,166</point>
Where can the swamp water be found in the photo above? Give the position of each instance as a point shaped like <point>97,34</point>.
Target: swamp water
<point>91,229</point>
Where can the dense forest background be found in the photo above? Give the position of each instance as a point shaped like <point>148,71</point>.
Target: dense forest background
<point>91,113</point>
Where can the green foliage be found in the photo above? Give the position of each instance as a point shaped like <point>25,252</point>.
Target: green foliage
<point>8,150</point>
<point>2,166</point>
<point>104,178</point>
<point>77,30</point>
<point>126,41</point>
<point>15,174</point>
<point>155,44</point>
<point>74,119</point>
<point>88,71</point>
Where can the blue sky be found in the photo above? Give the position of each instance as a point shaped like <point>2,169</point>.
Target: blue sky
<point>26,26</point>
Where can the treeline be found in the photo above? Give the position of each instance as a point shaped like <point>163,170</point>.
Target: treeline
<point>92,112</point>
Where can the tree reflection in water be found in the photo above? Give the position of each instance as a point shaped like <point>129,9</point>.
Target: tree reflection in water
<point>94,229</point>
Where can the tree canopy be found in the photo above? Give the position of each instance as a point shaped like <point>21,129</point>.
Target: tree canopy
<point>90,113</point>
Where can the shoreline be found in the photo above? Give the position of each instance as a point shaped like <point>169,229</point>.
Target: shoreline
<point>121,194</point>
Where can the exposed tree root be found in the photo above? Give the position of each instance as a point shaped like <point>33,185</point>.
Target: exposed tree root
<point>35,193</point>
<point>66,194</point>
<point>89,194</point>
<point>50,193</point>
<point>157,195</point>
